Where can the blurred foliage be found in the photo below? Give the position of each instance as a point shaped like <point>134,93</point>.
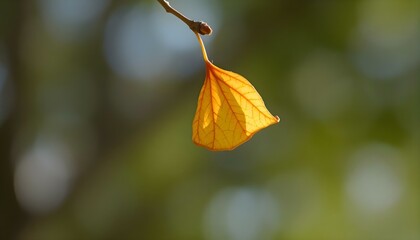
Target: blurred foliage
<point>97,99</point>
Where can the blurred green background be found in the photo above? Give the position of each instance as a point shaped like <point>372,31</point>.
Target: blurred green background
<point>97,99</point>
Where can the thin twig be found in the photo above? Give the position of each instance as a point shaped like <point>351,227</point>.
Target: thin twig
<point>196,26</point>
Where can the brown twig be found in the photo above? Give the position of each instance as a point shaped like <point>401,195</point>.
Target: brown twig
<point>196,26</point>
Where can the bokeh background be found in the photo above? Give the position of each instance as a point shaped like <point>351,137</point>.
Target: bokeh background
<point>96,105</point>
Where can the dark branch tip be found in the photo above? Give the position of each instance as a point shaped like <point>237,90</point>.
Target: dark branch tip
<point>201,28</point>
<point>204,29</point>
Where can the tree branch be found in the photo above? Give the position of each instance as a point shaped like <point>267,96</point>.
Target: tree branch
<point>196,26</point>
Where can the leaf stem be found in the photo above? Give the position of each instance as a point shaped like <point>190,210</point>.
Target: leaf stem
<point>196,26</point>
<point>203,48</point>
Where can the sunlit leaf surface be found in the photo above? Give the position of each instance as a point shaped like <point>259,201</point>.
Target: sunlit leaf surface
<point>229,111</point>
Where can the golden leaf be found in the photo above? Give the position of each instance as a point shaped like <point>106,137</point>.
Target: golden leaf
<point>229,111</point>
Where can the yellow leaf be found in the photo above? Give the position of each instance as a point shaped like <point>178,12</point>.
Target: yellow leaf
<point>229,111</point>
